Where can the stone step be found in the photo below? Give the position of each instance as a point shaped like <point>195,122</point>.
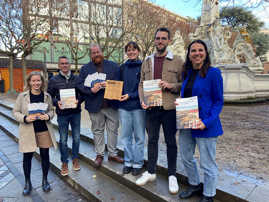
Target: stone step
<point>94,184</point>
<point>157,191</point>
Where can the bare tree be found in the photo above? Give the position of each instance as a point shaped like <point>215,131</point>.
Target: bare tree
<point>32,26</point>
<point>73,28</point>
<point>147,18</point>
<point>19,27</point>
<point>107,28</point>
<point>10,33</point>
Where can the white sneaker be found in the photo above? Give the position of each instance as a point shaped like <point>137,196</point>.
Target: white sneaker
<point>173,185</point>
<point>146,177</point>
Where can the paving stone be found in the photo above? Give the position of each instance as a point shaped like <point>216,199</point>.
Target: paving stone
<point>260,193</point>
<point>13,189</point>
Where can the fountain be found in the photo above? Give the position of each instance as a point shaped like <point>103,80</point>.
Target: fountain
<point>241,69</point>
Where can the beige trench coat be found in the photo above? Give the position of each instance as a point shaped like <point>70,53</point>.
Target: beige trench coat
<point>27,140</point>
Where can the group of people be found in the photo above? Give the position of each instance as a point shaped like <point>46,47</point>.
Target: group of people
<point>194,77</point>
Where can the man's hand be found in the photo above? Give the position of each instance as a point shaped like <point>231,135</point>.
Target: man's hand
<point>103,84</point>
<point>76,104</point>
<point>165,85</point>
<point>60,105</point>
<point>144,106</point>
<point>96,87</point>
<point>124,97</point>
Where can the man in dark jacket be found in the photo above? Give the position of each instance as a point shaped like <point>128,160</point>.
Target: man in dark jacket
<point>102,112</point>
<point>65,116</point>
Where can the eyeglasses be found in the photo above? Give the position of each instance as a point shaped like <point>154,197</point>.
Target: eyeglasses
<point>64,63</point>
<point>161,38</point>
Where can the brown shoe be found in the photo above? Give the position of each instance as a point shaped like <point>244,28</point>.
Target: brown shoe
<point>116,159</point>
<point>64,170</point>
<point>98,161</point>
<point>76,166</point>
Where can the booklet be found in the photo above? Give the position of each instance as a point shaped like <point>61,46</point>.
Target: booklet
<point>94,78</point>
<point>113,90</point>
<point>37,108</point>
<point>187,112</point>
<point>68,98</point>
<point>152,93</point>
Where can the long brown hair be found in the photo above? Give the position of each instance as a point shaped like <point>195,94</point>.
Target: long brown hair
<point>188,64</point>
<point>28,79</point>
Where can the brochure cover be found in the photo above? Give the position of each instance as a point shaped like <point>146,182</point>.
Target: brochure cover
<point>37,108</point>
<point>187,112</point>
<point>113,90</point>
<point>152,93</point>
<point>68,98</point>
<point>96,77</point>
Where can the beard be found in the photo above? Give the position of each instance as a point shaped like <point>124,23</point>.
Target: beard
<point>161,50</point>
<point>98,59</point>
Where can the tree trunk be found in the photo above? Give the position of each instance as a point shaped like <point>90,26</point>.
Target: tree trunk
<point>23,62</point>
<point>11,65</point>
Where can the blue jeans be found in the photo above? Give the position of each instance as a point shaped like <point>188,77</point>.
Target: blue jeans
<point>133,126</point>
<point>207,150</point>
<point>63,123</point>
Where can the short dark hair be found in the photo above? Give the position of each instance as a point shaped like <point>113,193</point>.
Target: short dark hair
<point>62,57</point>
<point>188,64</point>
<point>163,29</point>
<point>132,44</point>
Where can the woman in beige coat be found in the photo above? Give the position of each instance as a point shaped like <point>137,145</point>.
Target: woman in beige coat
<point>35,129</point>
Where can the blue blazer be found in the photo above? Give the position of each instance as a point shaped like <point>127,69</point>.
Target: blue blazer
<point>94,101</point>
<point>209,91</point>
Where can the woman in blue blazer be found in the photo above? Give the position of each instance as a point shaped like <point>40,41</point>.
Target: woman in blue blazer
<point>204,81</point>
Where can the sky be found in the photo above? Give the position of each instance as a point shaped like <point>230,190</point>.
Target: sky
<point>192,8</point>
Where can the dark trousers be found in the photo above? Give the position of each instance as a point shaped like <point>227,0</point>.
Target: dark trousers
<point>156,117</point>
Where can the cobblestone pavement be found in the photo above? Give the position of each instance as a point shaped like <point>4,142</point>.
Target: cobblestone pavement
<point>12,178</point>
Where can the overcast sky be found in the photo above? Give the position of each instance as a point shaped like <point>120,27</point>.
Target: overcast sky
<point>192,8</point>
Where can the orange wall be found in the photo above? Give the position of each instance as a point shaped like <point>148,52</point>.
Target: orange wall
<point>17,78</point>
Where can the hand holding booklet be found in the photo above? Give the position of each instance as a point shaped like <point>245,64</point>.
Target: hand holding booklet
<point>187,112</point>
<point>68,98</point>
<point>36,109</point>
<point>152,93</point>
<point>94,78</point>
<point>113,90</point>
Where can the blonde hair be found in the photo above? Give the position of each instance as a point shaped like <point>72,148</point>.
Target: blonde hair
<point>28,79</point>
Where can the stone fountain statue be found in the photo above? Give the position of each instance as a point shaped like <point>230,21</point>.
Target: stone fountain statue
<point>216,36</point>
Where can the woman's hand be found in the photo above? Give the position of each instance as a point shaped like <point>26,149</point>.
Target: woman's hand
<point>124,97</point>
<point>44,117</point>
<point>144,106</point>
<point>30,118</point>
<point>200,125</point>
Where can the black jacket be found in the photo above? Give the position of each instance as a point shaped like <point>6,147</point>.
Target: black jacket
<point>60,82</point>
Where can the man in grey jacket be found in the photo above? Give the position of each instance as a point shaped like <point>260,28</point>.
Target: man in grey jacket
<point>167,67</point>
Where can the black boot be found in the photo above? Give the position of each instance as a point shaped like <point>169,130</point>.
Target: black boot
<point>206,199</point>
<point>192,190</point>
<point>27,187</point>
<point>45,184</point>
